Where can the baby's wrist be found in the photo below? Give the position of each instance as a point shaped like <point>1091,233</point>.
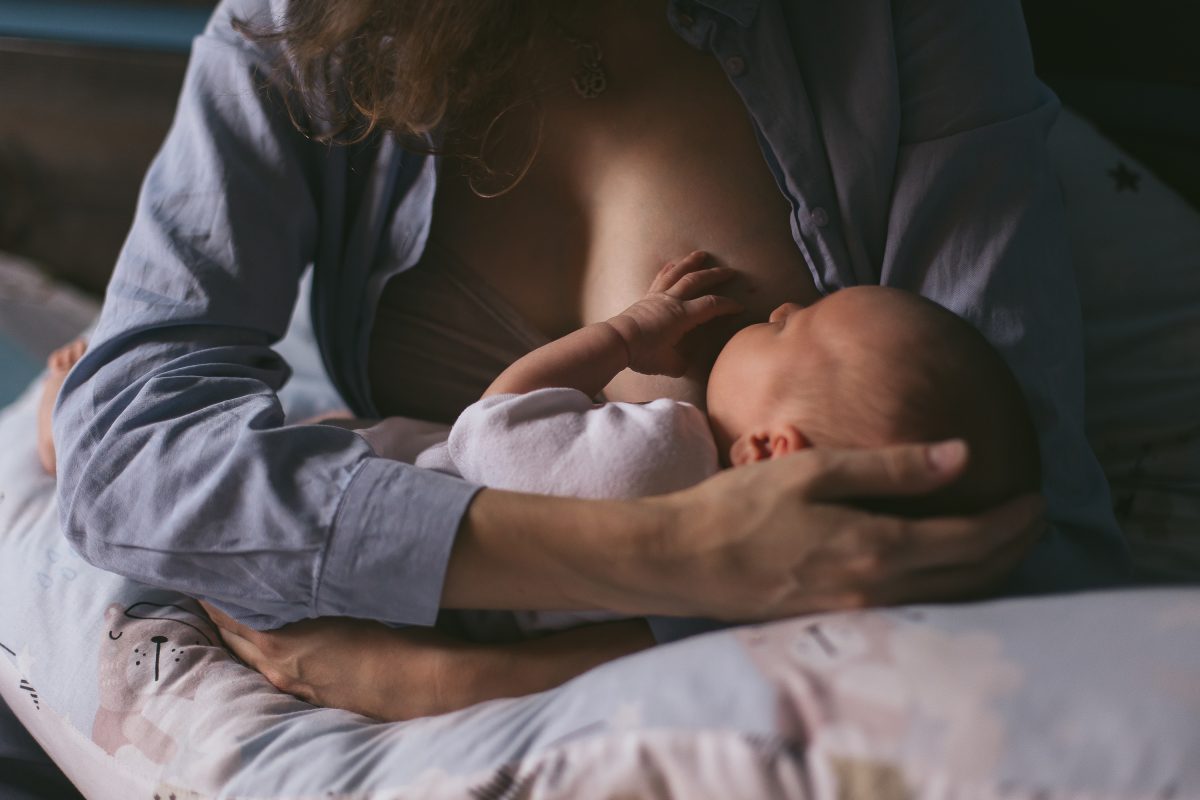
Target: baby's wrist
<point>621,331</point>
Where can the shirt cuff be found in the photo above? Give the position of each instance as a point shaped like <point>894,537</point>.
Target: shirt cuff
<point>390,544</point>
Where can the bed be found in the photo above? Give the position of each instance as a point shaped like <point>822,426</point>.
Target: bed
<point>1095,695</point>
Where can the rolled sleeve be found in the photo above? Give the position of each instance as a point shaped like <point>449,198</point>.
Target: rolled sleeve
<point>363,552</point>
<point>175,466</point>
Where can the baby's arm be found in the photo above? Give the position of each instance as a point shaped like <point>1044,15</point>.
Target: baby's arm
<point>643,337</point>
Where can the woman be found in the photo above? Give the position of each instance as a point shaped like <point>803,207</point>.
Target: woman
<point>809,146</point>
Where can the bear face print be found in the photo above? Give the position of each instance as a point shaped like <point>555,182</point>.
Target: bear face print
<point>150,652</point>
<point>155,638</point>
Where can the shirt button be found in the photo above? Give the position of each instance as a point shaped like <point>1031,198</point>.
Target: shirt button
<point>736,65</point>
<point>819,217</point>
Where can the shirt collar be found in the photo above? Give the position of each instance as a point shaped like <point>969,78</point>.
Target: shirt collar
<point>740,11</point>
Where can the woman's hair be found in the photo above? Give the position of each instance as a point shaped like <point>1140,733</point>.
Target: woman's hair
<point>410,67</point>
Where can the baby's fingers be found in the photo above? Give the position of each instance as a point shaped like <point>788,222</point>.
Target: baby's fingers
<point>709,307</point>
<point>700,282</point>
<point>672,271</point>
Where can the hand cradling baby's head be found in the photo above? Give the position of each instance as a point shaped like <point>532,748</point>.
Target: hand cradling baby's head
<point>871,366</point>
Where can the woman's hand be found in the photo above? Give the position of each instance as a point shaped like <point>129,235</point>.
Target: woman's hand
<point>398,674</point>
<point>678,302</point>
<point>777,538</point>
<point>357,665</point>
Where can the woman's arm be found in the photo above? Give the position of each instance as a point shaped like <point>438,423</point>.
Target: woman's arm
<point>795,548</point>
<point>764,541</point>
<point>399,674</point>
<point>175,467</point>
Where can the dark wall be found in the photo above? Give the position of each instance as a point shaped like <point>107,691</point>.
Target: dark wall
<point>78,127</point>
<point>1134,70</point>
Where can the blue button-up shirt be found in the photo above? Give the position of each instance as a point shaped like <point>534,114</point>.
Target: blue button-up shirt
<point>908,135</point>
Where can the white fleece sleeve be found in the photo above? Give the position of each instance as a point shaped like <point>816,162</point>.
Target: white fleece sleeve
<point>559,442</point>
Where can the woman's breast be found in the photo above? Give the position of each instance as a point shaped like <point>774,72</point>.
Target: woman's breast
<point>665,163</point>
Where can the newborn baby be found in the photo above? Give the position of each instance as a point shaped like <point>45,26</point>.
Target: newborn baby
<point>865,367</point>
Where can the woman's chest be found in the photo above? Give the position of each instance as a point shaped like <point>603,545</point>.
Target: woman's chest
<point>664,162</point>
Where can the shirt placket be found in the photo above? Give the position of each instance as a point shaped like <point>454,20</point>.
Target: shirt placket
<point>753,48</point>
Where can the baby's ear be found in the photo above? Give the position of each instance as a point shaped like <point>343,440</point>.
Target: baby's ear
<point>767,443</point>
<point>750,447</point>
<point>786,439</point>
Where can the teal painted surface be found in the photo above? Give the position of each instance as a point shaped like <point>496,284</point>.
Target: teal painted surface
<point>17,369</point>
<point>142,26</point>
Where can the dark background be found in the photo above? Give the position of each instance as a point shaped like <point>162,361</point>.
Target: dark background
<point>80,122</point>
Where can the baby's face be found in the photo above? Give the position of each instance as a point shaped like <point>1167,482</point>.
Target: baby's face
<point>791,369</point>
<point>746,378</point>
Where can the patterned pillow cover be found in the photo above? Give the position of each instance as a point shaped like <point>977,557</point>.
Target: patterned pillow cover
<point>1086,696</point>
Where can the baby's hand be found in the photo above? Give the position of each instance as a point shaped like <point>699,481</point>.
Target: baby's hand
<point>653,326</point>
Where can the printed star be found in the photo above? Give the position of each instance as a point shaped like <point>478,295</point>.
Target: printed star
<point>1124,177</point>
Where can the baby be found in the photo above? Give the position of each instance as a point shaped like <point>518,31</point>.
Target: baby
<point>865,367</point>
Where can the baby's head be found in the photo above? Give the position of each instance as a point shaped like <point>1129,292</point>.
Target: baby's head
<point>871,366</point>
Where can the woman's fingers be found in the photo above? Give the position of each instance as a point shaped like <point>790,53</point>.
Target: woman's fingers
<point>244,649</point>
<point>884,472</point>
<point>960,582</point>
<point>861,547</point>
<point>938,541</point>
<point>243,642</point>
<point>240,637</point>
<point>226,623</point>
<point>887,560</point>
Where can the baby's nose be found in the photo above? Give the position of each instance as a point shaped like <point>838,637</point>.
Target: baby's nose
<point>784,311</point>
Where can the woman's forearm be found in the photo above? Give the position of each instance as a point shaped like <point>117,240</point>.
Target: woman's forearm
<point>757,542</point>
<point>414,672</point>
<point>536,665</point>
<point>546,553</point>
<point>763,541</point>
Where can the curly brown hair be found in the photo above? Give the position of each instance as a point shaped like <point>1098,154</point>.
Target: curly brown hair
<point>410,67</point>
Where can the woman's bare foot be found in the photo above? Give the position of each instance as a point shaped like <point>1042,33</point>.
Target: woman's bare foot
<point>58,365</point>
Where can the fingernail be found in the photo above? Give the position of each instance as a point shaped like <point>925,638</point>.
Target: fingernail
<point>946,456</point>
